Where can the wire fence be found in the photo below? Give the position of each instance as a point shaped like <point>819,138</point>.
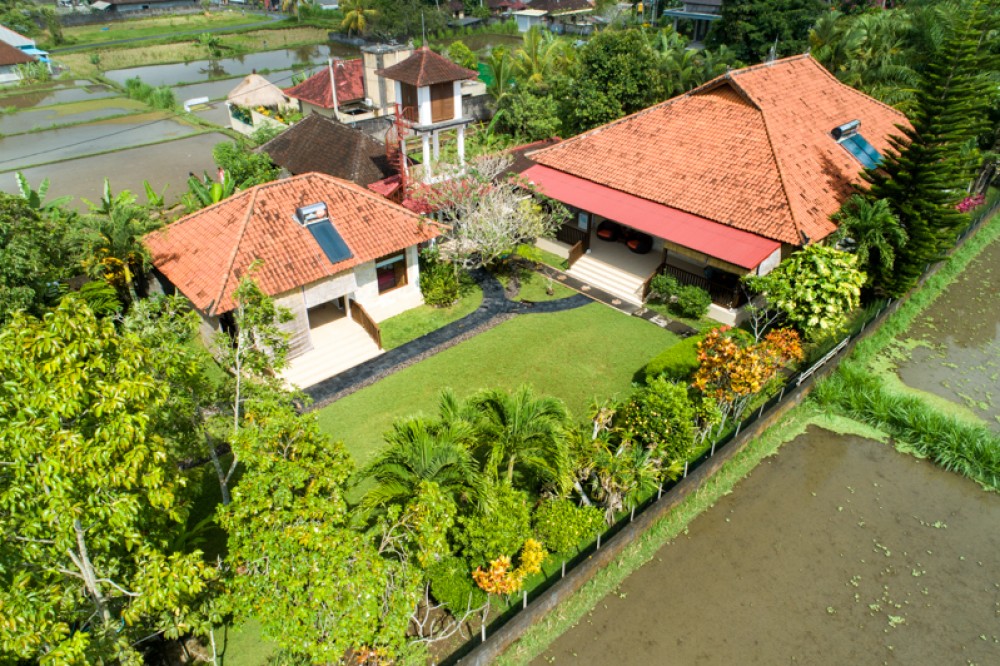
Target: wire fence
<point>789,389</point>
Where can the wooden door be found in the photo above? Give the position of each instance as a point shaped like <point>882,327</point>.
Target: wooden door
<point>442,102</point>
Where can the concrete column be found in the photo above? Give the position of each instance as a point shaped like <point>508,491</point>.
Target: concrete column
<point>437,146</point>
<point>424,101</point>
<point>457,92</point>
<point>398,89</point>
<point>461,145</point>
<point>426,139</point>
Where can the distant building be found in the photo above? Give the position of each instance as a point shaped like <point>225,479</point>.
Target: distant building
<point>10,61</point>
<point>701,13</point>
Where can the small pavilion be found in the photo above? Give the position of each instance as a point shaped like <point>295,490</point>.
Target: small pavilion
<point>429,92</point>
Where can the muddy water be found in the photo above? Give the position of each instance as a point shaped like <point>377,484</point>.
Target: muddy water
<point>837,551</point>
<point>165,165</point>
<point>27,121</point>
<point>203,70</point>
<point>79,140</point>
<point>960,336</point>
<point>57,95</point>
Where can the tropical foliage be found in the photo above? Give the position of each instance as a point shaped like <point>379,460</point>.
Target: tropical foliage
<point>816,289</point>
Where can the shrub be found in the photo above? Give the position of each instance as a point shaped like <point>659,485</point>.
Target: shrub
<point>438,282</point>
<point>563,526</point>
<point>498,530</point>
<point>452,585</point>
<point>663,286</point>
<point>660,417</point>
<point>692,302</point>
<point>677,362</point>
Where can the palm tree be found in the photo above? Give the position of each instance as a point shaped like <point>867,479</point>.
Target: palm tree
<point>421,450</point>
<point>875,233</point>
<point>111,240</point>
<point>520,432</point>
<point>356,16</point>
<point>622,475</point>
<point>540,55</point>
<point>501,64</point>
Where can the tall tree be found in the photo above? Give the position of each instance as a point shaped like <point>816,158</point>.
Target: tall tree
<point>928,170</point>
<point>754,27</point>
<point>34,256</point>
<point>356,16</point>
<point>90,495</point>
<point>616,73</point>
<point>319,589</point>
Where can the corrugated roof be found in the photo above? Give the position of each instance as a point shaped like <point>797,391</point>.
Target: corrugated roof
<point>316,90</point>
<point>751,149</point>
<point>207,253</point>
<point>425,68</point>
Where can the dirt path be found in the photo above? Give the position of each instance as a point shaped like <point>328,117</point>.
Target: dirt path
<point>837,551</point>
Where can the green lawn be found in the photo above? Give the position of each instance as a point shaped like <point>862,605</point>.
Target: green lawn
<point>534,288</point>
<point>414,323</point>
<point>576,355</point>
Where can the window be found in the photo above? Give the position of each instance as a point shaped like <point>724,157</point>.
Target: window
<point>390,272</point>
<point>862,151</point>
<point>582,220</point>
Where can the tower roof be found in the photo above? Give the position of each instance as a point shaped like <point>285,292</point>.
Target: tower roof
<point>425,68</point>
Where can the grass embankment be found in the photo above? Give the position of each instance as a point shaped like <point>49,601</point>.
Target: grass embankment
<point>866,387</point>
<point>575,355</point>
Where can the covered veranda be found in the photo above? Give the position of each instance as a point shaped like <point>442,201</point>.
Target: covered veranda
<point>693,249</point>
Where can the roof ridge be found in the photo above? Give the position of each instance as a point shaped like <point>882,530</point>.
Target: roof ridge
<point>781,174</point>
<point>236,250</point>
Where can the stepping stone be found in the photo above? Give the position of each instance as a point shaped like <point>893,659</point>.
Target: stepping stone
<point>615,301</point>
<point>561,278</point>
<point>585,287</point>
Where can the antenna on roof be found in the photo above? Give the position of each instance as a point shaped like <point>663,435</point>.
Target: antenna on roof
<point>772,54</point>
<point>423,28</point>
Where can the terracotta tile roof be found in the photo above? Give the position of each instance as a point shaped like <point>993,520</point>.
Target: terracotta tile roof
<point>425,68</point>
<point>520,160</point>
<point>12,56</point>
<point>349,75</point>
<point>751,149</point>
<point>206,253</point>
<point>556,7</point>
<point>321,144</point>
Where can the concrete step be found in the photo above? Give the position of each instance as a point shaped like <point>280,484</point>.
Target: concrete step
<point>336,348</point>
<point>608,278</point>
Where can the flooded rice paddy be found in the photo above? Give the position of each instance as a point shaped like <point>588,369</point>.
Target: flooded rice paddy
<point>75,112</point>
<point>77,91</point>
<point>204,70</point>
<point>164,165</point>
<point>955,343</point>
<point>79,140</point>
<point>839,550</point>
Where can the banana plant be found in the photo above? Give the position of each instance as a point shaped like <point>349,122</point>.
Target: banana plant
<point>205,192</point>
<point>36,198</point>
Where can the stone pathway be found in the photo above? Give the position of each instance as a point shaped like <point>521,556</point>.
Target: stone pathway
<point>495,309</point>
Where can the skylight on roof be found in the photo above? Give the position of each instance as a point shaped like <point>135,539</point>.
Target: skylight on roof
<point>849,136</point>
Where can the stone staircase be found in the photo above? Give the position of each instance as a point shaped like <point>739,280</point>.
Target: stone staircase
<point>337,346</point>
<point>606,277</point>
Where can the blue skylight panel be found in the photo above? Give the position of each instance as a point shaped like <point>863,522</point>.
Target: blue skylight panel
<point>330,241</point>
<point>862,151</point>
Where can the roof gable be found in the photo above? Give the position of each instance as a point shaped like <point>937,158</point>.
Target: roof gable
<point>321,144</point>
<point>316,90</point>
<point>751,149</point>
<point>207,253</point>
<point>12,56</point>
<point>425,68</point>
